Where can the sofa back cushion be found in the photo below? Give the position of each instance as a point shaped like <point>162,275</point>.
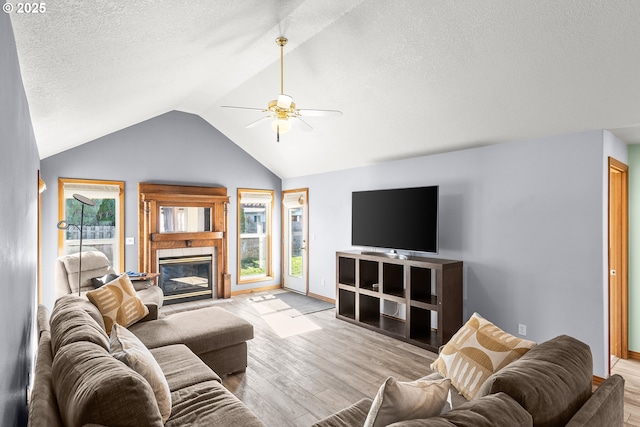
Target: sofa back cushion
<point>71,323</point>
<point>552,381</point>
<point>92,387</point>
<point>496,410</point>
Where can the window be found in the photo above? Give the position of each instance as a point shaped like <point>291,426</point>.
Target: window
<point>254,235</point>
<point>103,228</point>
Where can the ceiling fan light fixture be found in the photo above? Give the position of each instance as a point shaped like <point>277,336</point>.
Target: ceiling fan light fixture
<point>281,126</point>
<point>282,110</point>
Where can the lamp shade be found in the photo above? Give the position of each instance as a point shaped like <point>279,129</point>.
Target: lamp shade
<point>84,200</point>
<point>281,125</point>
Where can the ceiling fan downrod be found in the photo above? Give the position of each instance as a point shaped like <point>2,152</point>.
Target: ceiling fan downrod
<point>282,41</point>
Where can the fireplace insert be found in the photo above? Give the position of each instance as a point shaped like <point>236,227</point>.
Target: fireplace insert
<point>186,278</point>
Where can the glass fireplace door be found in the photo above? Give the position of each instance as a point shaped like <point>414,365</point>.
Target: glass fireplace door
<point>186,278</point>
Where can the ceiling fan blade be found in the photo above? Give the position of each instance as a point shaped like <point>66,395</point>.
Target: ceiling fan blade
<point>320,113</point>
<point>243,108</point>
<point>257,122</point>
<point>303,125</point>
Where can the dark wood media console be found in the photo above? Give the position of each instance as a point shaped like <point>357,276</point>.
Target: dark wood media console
<point>430,289</point>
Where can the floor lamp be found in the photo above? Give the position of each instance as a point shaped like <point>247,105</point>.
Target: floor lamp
<point>64,225</point>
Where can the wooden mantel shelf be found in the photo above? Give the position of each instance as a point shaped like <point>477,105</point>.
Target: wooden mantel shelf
<point>152,196</point>
<point>158,237</point>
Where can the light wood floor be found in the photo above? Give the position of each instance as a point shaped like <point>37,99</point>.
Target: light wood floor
<point>297,380</point>
<point>327,364</point>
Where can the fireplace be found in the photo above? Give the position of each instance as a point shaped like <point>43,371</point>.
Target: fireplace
<point>178,221</point>
<point>187,278</point>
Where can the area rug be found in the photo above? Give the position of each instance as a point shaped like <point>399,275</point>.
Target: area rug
<point>290,304</point>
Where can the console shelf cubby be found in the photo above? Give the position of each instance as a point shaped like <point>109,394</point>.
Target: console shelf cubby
<point>429,290</point>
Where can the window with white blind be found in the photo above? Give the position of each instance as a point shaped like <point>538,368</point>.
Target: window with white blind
<point>254,235</point>
<point>103,228</point>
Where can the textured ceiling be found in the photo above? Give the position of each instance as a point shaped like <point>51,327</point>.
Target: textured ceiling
<point>411,77</point>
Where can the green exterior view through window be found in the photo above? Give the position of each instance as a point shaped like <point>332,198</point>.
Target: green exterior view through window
<point>254,235</point>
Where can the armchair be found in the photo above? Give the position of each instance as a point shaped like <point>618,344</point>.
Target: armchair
<point>95,264</point>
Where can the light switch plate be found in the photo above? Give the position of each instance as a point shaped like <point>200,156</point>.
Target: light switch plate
<point>129,241</point>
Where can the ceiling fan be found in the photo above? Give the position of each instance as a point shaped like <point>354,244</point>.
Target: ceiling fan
<point>282,111</point>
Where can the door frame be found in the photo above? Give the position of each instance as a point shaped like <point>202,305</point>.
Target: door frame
<point>621,330</point>
<point>305,210</point>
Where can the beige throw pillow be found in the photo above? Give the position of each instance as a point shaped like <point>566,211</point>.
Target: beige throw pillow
<point>475,352</point>
<point>401,401</point>
<point>118,302</point>
<point>127,348</point>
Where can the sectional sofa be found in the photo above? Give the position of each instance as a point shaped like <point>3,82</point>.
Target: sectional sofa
<point>78,381</point>
<point>549,386</point>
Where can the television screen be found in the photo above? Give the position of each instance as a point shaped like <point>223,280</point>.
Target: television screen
<point>403,218</point>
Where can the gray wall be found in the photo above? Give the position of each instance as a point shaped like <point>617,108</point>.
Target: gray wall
<point>175,148</point>
<point>18,234</point>
<point>526,218</point>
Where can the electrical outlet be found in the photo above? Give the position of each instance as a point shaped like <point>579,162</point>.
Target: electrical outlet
<point>522,329</point>
<point>129,241</point>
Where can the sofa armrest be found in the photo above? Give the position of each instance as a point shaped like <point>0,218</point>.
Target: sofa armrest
<point>153,312</point>
<point>354,415</point>
<point>152,294</point>
<point>43,320</point>
<point>43,409</point>
<point>604,407</point>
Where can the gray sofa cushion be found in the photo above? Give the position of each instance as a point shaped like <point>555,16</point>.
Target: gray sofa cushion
<point>354,415</point>
<point>209,404</point>
<point>181,367</point>
<point>604,407</point>
<point>552,381</point>
<point>201,330</point>
<point>92,387</point>
<point>496,410</point>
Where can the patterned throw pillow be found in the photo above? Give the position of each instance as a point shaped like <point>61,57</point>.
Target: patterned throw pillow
<point>118,303</point>
<point>475,352</point>
<point>127,348</point>
<point>400,401</point>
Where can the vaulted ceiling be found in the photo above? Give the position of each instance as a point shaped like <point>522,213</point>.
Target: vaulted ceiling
<point>411,77</point>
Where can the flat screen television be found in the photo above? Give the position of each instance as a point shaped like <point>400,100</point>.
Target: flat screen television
<point>402,218</point>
